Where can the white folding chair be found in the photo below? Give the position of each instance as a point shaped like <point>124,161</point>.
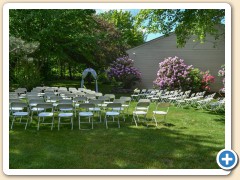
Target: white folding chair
<point>160,110</point>
<point>24,112</point>
<point>32,106</point>
<point>77,101</point>
<point>45,114</point>
<point>135,94</point>
<point>141,109</point>
<point>110,112</point>
<point>65,111</point>
<point>97,108</point>
<point>84,112</point>
<point>127,102</point>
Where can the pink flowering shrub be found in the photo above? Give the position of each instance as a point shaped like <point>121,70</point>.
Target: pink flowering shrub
<point>221,73</point>
<point>122,70</point>
<point>207,79</point>
<point>174,73</point>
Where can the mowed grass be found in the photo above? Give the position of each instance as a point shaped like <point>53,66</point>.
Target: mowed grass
<point>188,139</point>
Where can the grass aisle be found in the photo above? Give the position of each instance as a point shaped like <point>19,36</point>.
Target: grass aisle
<point>188,139</point>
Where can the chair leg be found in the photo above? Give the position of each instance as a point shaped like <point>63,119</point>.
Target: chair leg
<point>13,122</point>
<point>155,119</point>
<point>135,120</point>
<point>58,123</point>
<point>92,122</point>
<point>26,123</point>
<point>118,123</point>
<point>52,123</point>
<point>72,122</point>
<point>106,121</point>
<point>38,123</point>
<point>79,122</point>
<point>100,116</point>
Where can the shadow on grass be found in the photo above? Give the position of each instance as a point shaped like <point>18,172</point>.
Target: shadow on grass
<point>129,147</point>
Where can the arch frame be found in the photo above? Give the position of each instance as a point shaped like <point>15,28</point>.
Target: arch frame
<point>94,75</point>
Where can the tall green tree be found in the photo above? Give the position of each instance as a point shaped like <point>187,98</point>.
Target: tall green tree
<point>131,36</point>
<point>184,22</point>
<point>69,39</point>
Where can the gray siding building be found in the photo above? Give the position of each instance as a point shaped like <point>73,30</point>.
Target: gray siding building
<point>205,56</point>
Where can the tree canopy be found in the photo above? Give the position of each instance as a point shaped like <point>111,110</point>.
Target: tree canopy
<point>69,39</point>
<point>184,22</point>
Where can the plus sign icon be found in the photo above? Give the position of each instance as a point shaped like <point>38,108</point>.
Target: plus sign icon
<point>227,159</point>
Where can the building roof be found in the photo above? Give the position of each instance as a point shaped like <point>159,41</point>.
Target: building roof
<point>153,40</point>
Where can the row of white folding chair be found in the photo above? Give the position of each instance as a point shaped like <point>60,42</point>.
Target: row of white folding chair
<point>144,93</point>
<point>217,105</point>
<point>142,108</point>
<point>76,101</point>
<point>204,102</point>
<point>187,100</point>
<point>190,101</point>
<point>43,112</point>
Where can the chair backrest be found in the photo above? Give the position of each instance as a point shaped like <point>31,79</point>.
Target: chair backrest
<point>143,90</point>
<point>126,98</point>
<point>136,91</point>
<point>65,101</point>
<point>55,98</point>
<point>18,104</point>
<point>45,106</point>
<point>79,93</point>
<point>187,92</point>
<point>64,106</point>
<point>104,98</point>
<point>29,97</point>
<point>114,105</point>
<point>111,96</point>
<point>98,94</point>
<point>86,105</point>
<point>36,90</point>
<point>14,100</point>
<point>121,101</point>
<point>80,99</point>
<point>72,89</point>
<point>144,100</point>
<point>163,105</point>
<point>96,101</point>
<point>81,89</point>
<point>142,106</point>
<point>35,101</point>
<point>90,96</point>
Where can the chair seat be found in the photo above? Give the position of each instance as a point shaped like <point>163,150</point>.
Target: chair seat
<point>45,114</point>
<point>112,113</point>
<point>95,109</point>
<point>65,114</point>
<point>108,102</point>
<point>160,112</point>
<point>16,108</point>
<point>37,109</point>
<point>142,108</point>
<point>49,101</point>
<point>55,104</point>
<point>118,109</point>
<point>85,114</point>
<point>33,104</point>
<point>20,113</point>
<point>139,112</point>
<point>66,109</point>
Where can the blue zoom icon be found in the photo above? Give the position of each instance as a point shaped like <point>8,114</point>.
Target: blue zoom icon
<point>227,159</point>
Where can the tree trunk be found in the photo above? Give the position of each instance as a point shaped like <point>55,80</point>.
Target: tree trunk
<point>61,70</point>
<point>70,71</point>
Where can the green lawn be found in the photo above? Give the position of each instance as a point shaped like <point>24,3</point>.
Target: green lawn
<point>188,139</point>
